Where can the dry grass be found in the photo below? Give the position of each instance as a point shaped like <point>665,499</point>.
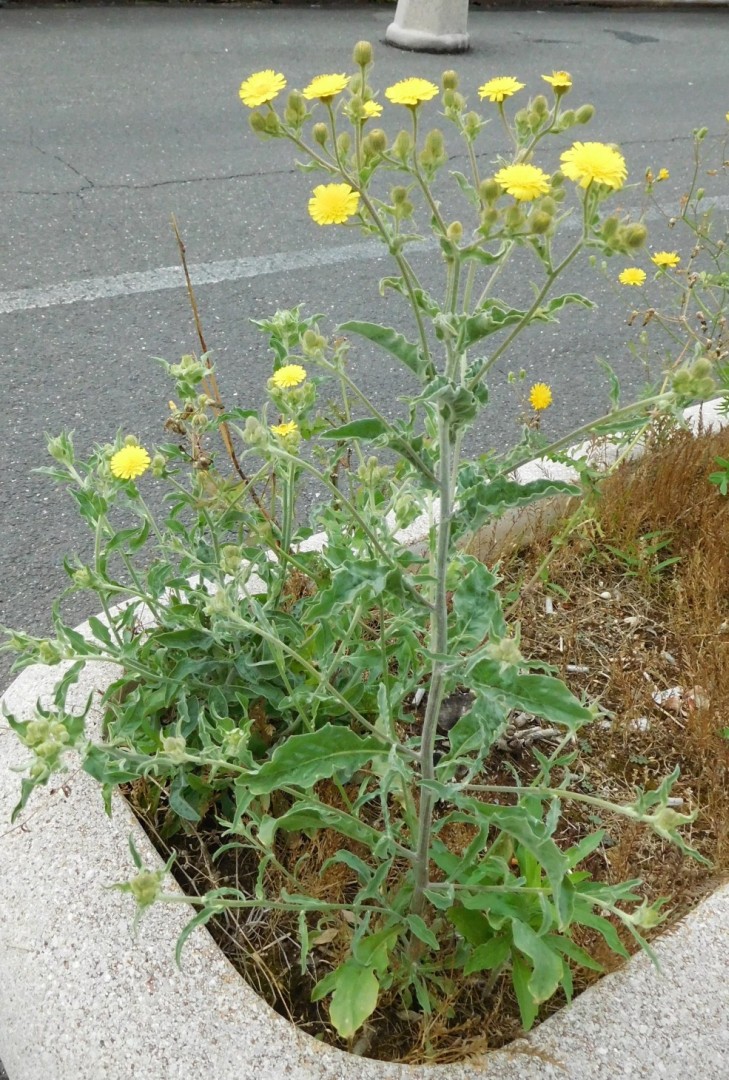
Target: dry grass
<point>625,626</point>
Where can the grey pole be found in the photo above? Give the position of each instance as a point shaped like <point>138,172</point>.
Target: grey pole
<point>430,25</point>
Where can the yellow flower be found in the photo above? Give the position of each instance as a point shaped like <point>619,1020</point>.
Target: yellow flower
<point>333,204</point>
<point>594,162</point>
<point>560,81</point>
<point>129,462</point>
<point>261,88</point>
<point>500,88</point>
<point>371,109</point>
<point>325,87</point>
<point>663,174</point>
<point>540,396</point>
<point>632,275</point>
<point>524,182</point>
<point>411,91</point>
<point>289,428</point>
<point>727,117</point>
<point>666,259</point>
<point>287,376</point>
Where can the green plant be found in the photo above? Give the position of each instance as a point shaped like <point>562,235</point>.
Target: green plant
<point>272,686</point>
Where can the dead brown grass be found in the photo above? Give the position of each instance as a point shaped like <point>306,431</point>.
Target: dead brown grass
<point>625,627</point>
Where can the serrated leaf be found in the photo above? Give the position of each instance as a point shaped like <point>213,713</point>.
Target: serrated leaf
<point>303,760</point>
<point>309,815</point>
<point>391,341</point>
<point>476,605</point>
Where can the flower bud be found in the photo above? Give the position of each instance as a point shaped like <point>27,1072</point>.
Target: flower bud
<point>539,222</point>
<point>557,179</point>
<point>320,134</point>
<point>681,381</point>
<point>146,887</point>
<point>488,220</point>
<point>295,111</point>
<point>131,440</point>
<point>489,191</point>
<point>539,105</point>
<point>83,577</point>
<point>402,147</point>
<point>568,118</point>
<point>398,195</point>
<point>472,124</point>
<point>49,653</point>
<point>634,235</point>
<point>548,205</point>
<point>158,465</point>
<point>454,232</point>
<point>702,367</point>
<point>377,139</point>
<point>230,558</point>
<point>343,143</point>
<point>449,80</point>
<point>61,449</point>
<point>610,227</point>
<point>257,120</point>
<point>312,342</point>
<point>585,114</point>
<point>362,53</point>
<point>175,747</point>
<point>254,433</point>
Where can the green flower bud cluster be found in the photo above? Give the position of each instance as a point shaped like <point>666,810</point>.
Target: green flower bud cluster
<point>433,156</point>
<point>695,381</point>
<point>254,433</point>
<point>372,473</point>
<point>218,605</point>
<point>401,205</point>
<point>506,651</point>
<point>146,887</point>
<point>235,742</point>
<point>402,147</point>
<point>231,558</point>
<point>623,238</point>
<point>158,465</point>
<point>188,375</point>
<point>47,739</point>
<point>295,112</point>
<point>406,510</point>
<point>175,748</point>
<point>374,144</point>
<point>60,448</point>
<point>313,344</point>
<point>265,124</point>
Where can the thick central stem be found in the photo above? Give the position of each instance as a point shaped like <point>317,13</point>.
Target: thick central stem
<point>439,646</point>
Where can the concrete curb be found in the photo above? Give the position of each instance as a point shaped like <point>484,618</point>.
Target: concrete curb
<point>81,999</point>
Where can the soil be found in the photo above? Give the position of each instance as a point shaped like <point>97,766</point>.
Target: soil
<point>631,607</point>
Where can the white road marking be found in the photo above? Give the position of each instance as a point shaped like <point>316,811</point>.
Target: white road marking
<point>213,273</point>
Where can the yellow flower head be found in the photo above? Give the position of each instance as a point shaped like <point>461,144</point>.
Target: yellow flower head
<point>287,376</point>
<point>594,162</point>
<point>325,87</point>
<point>129,462</point>
<point>666,259</point>
<point>560,81</point>
<point>333,204</point>
<point>632,275</point>
<point>524,182</point>
<point>411,91</point>
<point>500,88</point>
<point>727,117</point>
<point>663,174</point>
<point>540,396</point>
<point>289,428</point>
<point>261,88</point>
<point>371,109</point>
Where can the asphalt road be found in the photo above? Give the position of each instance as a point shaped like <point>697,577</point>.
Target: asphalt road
<point>113,118</point>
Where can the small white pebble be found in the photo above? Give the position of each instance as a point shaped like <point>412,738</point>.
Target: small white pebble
<point>606,595</point>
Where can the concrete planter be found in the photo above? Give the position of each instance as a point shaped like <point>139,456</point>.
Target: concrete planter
<point>81,999</point>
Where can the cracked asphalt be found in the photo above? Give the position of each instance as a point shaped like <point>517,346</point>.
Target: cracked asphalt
<point>115,117</point>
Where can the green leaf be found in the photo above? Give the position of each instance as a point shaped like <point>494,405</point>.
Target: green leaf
<point>391,341</point>
<point>492,954</point>
<point>547,972</point>
<point>303,760</point>
<point>358,429</point>
<point>310,815</point>
<point>477,605</point>
<point>354,999</point>
<point>480,500</point>
<point>467,188</point>
<point>178,802</point>
<point>520,975</point>
<point>567,946</point>
<point>422,932</point>
<point>540,694</point>
<point>472,925</point>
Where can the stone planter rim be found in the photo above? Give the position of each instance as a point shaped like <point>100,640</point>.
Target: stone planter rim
<point>80,998</point>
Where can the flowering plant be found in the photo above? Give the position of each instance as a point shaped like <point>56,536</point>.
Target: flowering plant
<point>351,690</point>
